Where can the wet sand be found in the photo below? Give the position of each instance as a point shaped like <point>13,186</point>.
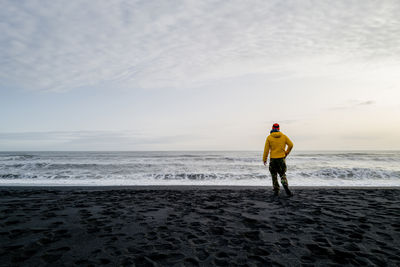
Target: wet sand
<point>198,226</point>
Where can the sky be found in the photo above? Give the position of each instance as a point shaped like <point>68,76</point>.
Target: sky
<point>199,75</point>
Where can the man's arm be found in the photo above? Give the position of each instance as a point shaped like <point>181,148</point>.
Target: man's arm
<point>266,152</point>
<point>289,144</point>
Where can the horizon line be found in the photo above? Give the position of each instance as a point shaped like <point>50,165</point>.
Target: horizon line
<point>240,150</point>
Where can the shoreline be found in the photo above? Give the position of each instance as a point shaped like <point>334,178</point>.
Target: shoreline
<point>184,187</point>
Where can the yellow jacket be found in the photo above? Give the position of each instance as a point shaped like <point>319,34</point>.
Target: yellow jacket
<point>276,142</point>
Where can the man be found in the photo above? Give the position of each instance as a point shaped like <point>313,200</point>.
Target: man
<point>276,143</point>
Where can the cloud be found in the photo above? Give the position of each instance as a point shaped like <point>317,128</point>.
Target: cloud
<point>366,103</point>
<point>352,104</point>
<point>66,45</point>
<point>87,140</point>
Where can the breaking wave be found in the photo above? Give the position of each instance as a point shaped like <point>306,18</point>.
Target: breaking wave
<point>196,168</point>
<point>351,173</point>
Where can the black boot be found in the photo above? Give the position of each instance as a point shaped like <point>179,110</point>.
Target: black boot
<point>288,192</point>
<point>276,193</point>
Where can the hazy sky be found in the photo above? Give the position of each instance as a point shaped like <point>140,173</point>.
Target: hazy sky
<point>199,75</point>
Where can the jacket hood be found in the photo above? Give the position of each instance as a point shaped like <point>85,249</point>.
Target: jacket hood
<point>276,134</point>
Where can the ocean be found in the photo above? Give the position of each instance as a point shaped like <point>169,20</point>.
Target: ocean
<point>241,168</point>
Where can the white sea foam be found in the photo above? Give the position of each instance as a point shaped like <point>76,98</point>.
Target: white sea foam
<point>196,168</point>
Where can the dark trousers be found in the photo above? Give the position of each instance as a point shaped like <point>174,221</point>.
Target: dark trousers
<point>278,166</point>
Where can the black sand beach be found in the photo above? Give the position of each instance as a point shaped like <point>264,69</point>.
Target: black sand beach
<point>203,226</point>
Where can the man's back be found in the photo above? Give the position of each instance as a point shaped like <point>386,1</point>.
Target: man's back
<point>276,142</point>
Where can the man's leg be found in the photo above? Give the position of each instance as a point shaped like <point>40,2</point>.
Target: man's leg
<point>282,174</point>
<point>286,185</point>
<point>274,175</point>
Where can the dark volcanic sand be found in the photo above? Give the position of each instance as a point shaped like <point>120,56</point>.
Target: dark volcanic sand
<point>200,226</point>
